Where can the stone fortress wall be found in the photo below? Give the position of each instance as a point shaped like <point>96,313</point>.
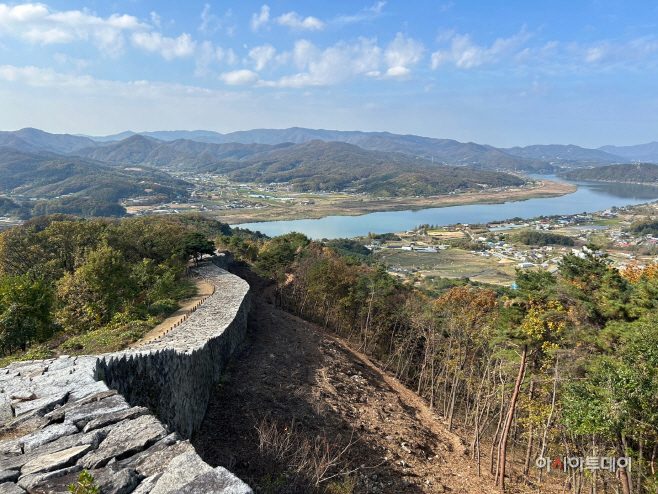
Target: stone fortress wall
<point>96,412</point>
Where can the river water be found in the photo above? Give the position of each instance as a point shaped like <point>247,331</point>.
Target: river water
<point>589,197</point>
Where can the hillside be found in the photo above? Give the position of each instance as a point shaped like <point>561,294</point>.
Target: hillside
<point>318,165</point>
<point>640,152</point>
<point>146,151</point>
<point>561,153</point>
<point>227,151</point>
<point>446,151</point>
<point>37,140</point>
<point>95,188</point>
<point>640,173</point>
<point>312,165</point>
<point>330,395</point>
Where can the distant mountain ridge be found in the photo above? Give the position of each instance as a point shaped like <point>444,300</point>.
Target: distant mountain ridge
<point>29,139</point>
<point>563,153</point>
<point>442,151</point>
<point>536,158</point>
<point>178,155</point>
<point>639,173</point>
<point>318,165</point>
<point>311,165</point>
<point>640,152</point>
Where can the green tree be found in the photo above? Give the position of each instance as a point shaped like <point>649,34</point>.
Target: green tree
<point>25,312</point>
<point>280,252</point>
<point>617,400</point>
<point>96,290</point>
<point>195,245</point>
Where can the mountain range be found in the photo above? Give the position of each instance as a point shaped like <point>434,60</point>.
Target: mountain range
<point>638,173</point>
<point>105,169</point>
<point>641,152</point>
<point>37,140</point>
<point>537,158</point>
<point>309,166</point>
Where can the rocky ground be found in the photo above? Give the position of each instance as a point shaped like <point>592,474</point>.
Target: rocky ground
<point>297,408</point>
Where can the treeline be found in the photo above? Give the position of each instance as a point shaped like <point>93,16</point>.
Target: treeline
<point>648,227</point>
<point>563,366</point>
<point>9,207</point>
<point>95,282</point>
<point>534,237</point>
<point>628,172</point>
<point>83,207</point>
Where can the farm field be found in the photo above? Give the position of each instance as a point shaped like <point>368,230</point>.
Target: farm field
<point>452,263</point>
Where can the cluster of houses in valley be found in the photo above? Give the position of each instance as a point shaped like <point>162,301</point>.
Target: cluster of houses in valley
<point>580,227</point>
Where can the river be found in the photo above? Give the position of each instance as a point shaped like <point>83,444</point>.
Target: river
<point>590,197</point>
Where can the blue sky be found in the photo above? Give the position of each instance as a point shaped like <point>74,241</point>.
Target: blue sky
<point>498,72</point>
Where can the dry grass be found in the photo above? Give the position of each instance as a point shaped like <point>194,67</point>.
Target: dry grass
<point>311,461</point>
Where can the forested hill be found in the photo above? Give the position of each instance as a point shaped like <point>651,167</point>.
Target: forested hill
<point>318,165</point>
<point>178,155</point>
<point>451,152</point>
<point>641,152</point>
<point>444,151</point>
<point>645,173</point>
<point>48,175</point>
<point>94,188</point>
<point>140,150</point>
<point>312,165</point>
<point>562,153</point>
<point>237,145</point>
<point>37,140</point>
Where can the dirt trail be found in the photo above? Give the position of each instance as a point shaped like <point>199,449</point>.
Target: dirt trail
<point>204,290</point>
<point>288,369</point>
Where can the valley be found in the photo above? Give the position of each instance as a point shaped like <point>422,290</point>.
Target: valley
<point>238,203</point>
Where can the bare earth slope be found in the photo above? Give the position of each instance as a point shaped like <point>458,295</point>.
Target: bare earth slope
<point>289,370</point>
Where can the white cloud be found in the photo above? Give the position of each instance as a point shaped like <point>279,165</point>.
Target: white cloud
<point>401,54</point>
<point>156,19</point>
<point>210,23</point>
<point>74,85</point>
<point>398,71</point>
<point>261,55</point>
<point>612,53</point>
<point>260,19</point>
<point>330,66</point>
<point>37,77</point>
<point>63,59</point>
<point>464,54</point>
<point>366,14</point>
<point>447,6</point>
<point>227,55</point>
<point>239,78</point>
<point>169,48</point>
<point>296,22</point>
<point>37,23</point>
<point>207,55</point>
<point>304,52</point>
<point>557,57</point>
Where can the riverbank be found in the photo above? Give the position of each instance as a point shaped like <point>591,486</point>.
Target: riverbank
<point>358,207</point>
